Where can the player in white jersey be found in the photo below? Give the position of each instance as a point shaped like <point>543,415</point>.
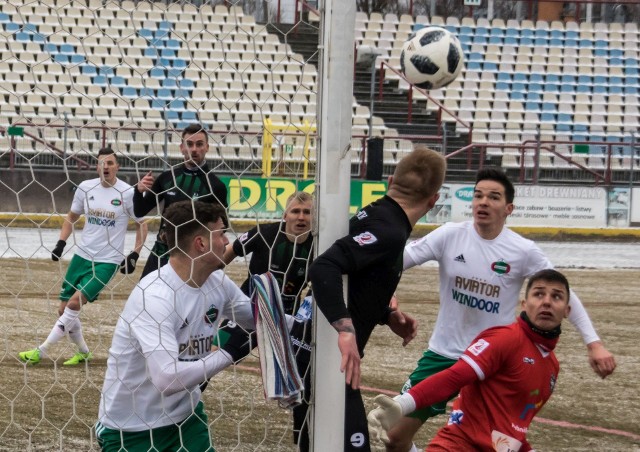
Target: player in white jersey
<point>107,204</point>
<point>161,347</point>
<point>482,266</point>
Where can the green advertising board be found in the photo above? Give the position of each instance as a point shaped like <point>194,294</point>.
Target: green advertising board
<point>265,198</point>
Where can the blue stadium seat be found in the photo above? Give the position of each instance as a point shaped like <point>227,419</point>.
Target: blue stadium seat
<point>547,117</point>
<point>151,52</point>
<point>168,53</point>
<point>549,107</point>
<point>563,127</point>
<point>615,89</point>
<point>615,80</point>
<point>571,34</point>
<point>512,33</point>
<point>181,93</point>
<point>77,59</point>
<point>527,33</point>
<point>616,53</point>
<point>50,48</point>
<point>165,25</point>
<point>542,42</point>
<point>601,44</point>
<point>130,92</point>
<point>22,36</point>
<point>176,105</point>
<point>510,41</point>
<point>526,41</point>
<point>189,116</point>
<point>535,87</point>
<point>571,43</point>
<point>161,34</point>
<point>451,28</point>
<point>186,83</point>
<point>631,90</point>
<point>532,106</point>
<point>100,80</point>
<point>585,80</point>
<point>169,83</point>
<point>157,72</point>
<point>504,77</point>
<point>482,31</point>
<point>89,69</point>
<point>4,18</point>
<point>567,88</point>
<point>630,71</point>
<point>497,40</point>
<point>476,56</point>
<point>632,80</point>
<point>536,78</point>
<point>173,44</point>
<point>30,28</point>
<point>11,27</point>
<point>616,62</point>
<point>145,33</point>
<point>489,66</point>
<point>465,31</point>
<point>147,92</point>
<point>38,38</point>
<point>518,96</point>
<point>520,77</point>
<point>552,87</point>
<point>172,116</point>
<point>557,34</point>
<point>566,78</point>
<point>117,81</point>
<point>497,31</point>
<point>600,80</point>
<point>503,86</point>
<point>106,70</point>
<point>540,33</point>
<point>534,97</point>
<point>180,63</point>
<point>601,53</point>
<point>61,59</point>
<point>519,87</point>
<point>600,89</point>
<point>586,43</point>
<point>158,104</point>
<point>165,94</point>
<point>584,89</point>
<point>480,40</point>
<point>67,49</point>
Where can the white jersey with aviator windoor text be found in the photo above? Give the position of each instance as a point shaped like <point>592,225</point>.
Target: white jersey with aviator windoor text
<point>480,283</point>
<point>107,211</point>
<point>163,313</point>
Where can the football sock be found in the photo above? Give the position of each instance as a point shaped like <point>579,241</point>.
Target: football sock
<point>75,334</point>
<point>68,318</point>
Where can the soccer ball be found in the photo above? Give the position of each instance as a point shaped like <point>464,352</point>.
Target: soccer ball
<point>431,58</point>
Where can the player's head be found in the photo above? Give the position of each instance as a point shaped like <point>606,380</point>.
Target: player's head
<point>298,215</point>
<point>194,145</point>
<point>418,177</point>
<point>546,300</point>
<point>492,198</point>
<point>196,229</point>
<point>107,165</point>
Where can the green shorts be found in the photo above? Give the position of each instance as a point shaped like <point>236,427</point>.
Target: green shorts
<point>87,277</point>
<point>190,435</point>
<point>430,363</point>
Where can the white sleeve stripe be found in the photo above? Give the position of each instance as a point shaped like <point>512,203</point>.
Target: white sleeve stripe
<point>474,366</point>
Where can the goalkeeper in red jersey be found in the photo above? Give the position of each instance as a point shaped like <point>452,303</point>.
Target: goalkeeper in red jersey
<point>504,377</point>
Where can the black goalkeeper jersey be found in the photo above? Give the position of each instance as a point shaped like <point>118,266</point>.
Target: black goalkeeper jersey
<point>273,251</point>
<point>371,256</point>
<point>179,184</point>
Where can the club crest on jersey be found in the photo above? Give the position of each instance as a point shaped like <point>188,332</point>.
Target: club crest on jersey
<point>212,314</point>
<point>366,238</point>
<point>361,215</point>
<point>477,348</point>
<point>552,382</point>
<point>528,360</point>
<point>500,267</point>
<point>116,202</point>
<point>244,237</point>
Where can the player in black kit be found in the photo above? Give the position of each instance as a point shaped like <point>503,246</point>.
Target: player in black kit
<point>285,249</point>
<point>371,256</point>
<point>190,180</point>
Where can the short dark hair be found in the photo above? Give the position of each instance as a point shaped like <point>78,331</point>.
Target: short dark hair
<point>107,150</point>
<point>192,129</point>
<point>184,219</point>
<point>497,175</point>
<point>549,275</point>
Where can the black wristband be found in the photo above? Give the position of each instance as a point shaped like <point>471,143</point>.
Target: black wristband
<point>384,320</point>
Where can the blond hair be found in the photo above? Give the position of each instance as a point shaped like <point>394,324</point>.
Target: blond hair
<point>419,175</point>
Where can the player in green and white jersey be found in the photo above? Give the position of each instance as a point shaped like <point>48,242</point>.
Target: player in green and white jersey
<point>107,204</point>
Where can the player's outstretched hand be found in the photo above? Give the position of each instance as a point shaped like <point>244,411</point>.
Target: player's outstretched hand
<point>57,251</point>
<point>601,360</point>
<point>387,414</point>
<point>128,264</point>
<point>403,325</point>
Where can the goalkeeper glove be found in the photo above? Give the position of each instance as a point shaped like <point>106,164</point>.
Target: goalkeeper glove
<point>57,251</point>
<point>240,343</point>
<point>128,265</point>
<point>382,418</point>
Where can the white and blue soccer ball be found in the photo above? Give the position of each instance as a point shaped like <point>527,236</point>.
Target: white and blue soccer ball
<point>431,58</point>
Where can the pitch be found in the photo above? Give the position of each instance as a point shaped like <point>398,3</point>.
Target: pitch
<point>48,407</point>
